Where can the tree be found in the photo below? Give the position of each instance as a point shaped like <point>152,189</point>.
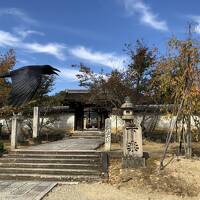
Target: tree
<point>7,61</point>
<point>105,89</point>
<point>176,80</point>
<point>176,77</point>
<point>59,98</point>
<point>116,88</point>
<point>139,71</point>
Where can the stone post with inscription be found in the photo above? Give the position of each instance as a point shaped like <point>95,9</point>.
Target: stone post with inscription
<point>36,122</point>
<point>14,133</point>
<point>132,138</point>
<point>15,130</point>
<point>108,134</point>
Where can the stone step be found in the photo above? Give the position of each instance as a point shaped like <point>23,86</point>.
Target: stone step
<point>47,171</point>
<point>69,156</point>
<point>48,160</point>
<point>60,152</point>
<point>89,132</point>
<point>50,166</point>
<point>45,177</point>
<point>74,136</point>
<point>84,134</point>
<point>86,137</point>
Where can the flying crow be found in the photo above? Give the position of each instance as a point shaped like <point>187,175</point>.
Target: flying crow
<point>26,81</point>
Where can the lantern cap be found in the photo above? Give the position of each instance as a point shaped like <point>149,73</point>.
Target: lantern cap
<point>127,104</point>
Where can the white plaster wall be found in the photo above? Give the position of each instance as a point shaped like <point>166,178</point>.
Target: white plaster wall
<point>162,122</point>
<point>62,121</point>
<point>67,122</point>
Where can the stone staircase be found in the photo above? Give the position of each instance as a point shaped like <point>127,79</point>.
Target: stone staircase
<point>88,134</point>
<point>53,165</point>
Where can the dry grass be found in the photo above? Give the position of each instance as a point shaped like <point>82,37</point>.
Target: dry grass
<point>170,181</point>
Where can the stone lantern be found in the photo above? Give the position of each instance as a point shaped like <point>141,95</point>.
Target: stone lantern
<point>127,108</point>
<point>132,138</point>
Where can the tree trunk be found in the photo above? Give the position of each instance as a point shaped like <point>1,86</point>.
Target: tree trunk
<point>189,138</point>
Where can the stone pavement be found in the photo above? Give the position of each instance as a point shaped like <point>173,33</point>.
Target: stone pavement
<point>24,190</point>
<point>70,144</point>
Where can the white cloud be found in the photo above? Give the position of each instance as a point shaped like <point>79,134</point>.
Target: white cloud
<point>196,26</point>
<point>15,12</point>
<point>69,74</point>
<point>146,15</point>
<point>54,49</point>
<point>10,40</point>
<point>107,59</point>
<point>19,41</point>
<point>25,33</point>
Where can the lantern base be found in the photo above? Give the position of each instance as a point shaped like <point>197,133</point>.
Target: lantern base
<point>133,162</point>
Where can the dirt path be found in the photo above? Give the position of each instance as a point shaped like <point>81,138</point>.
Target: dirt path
<point>107,192</point>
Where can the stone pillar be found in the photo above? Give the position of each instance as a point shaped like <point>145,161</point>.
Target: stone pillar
<point>36,122</point>
<point>132,147</point>
<point>107,134</point>
<point>132,138</point>
<point>14,133</point>
<point>132,142</point>
<point>84,123</point>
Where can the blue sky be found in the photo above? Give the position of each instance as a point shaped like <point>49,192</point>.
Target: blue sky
<point>66,32</point>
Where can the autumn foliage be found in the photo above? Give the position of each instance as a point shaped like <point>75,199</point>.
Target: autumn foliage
<point>176,77</point>
<point>7,62</point>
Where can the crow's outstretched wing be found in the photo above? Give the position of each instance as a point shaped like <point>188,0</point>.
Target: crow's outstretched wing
<point>24,86</point>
